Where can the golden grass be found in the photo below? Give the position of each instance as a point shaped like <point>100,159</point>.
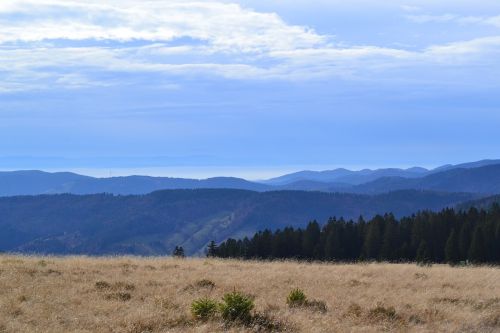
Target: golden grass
<point>127,294</point>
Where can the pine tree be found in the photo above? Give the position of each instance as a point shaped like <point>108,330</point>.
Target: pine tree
<point>179,252</point>
<point>212,249</point>
<point>476,251</point>
<point>333,246</point>
<point>423,253</point>
<point>496,255</point>
<point>452,252</point>
<point>310,240</point>
<point>373,239</point>
<point>390,241</point>
<point>465,239</point>
<point>404,252</point>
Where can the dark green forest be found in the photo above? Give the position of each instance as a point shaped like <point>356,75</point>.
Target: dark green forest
<point>153,224</point>
<point>448,236</point>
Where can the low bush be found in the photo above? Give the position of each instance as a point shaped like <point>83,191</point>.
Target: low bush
<point>236,307</point>
<point>296,297</point>
<point>204,308</point>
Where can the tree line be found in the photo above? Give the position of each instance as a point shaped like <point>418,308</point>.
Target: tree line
<point>447,236</point>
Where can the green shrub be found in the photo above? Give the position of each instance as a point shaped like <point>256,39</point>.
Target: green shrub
<point>296,297</point>
<point>204,308</point>
<point>236,306</point>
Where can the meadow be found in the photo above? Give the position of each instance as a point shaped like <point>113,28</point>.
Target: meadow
<point>131,294</point>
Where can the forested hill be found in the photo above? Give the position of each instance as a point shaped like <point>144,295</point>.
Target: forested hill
<point>448,236</point>
<point>155,223</point>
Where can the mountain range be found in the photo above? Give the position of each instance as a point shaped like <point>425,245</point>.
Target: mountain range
<point>67,213</point>
<point>481,177</point>
<point>155,223</point>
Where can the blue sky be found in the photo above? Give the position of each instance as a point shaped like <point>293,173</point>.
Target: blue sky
<point>250,88</point>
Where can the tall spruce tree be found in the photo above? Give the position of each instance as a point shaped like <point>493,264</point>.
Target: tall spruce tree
<point>423,253</point>
<point>496,255</point>
<point>452,252</point>
<point>333,246</point>
<point>390,246</point>
<point>178,252</point>
<point>465,239</point>
<point>212,249</point>
<point>310,240</point>
<point>477,251</point>
<point>373,239</point>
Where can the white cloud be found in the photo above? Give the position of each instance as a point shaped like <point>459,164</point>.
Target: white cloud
<point>431,18</point>
<point>409,8</point>
<point>226,27</point>
<point>445,18</point>
<point>63,43</point>
<point>493,20</point>
<point>464,51</point>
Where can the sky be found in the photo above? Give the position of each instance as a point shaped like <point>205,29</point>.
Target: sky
<point>253,88</point>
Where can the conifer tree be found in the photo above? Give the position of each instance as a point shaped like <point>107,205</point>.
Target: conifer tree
<point>310,240</point>
<point>496,255</point>
<point>333,246</point>
<point>477,252</point>
<point>452,253</point>
<point>373,240</point>
<point>389,249</point>
<point>179,252</point>
<point>465,239</point>
<point>423,253</point>
<point>212,249</point>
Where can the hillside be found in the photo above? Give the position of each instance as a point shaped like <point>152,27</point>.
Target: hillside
<point>484,180</point>
<point>478,177</point>
<point>342,175</point>
<point>351,177</point>
<point>137,295</point>
<point>157,222</point>
<point>37,182</point>
<point>482,203</point>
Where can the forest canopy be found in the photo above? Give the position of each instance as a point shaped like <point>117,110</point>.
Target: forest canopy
<point>447,236</point>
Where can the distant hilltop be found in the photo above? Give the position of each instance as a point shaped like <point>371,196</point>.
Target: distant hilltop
<point>482,177</point>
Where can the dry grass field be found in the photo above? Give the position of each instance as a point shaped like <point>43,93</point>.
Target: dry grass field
<point>127,294</point>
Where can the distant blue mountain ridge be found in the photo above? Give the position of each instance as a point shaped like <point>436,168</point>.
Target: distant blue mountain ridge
<point>482,177</point>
